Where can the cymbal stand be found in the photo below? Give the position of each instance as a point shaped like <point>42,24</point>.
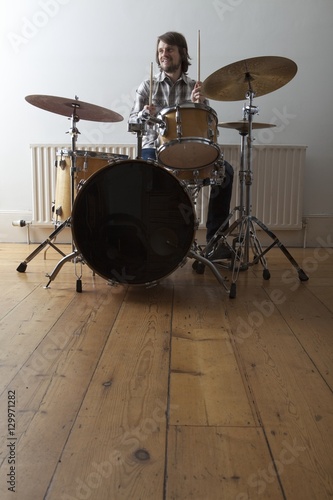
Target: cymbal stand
<point>243,229</point>
<point>74,255</point>
<point>49,241</point>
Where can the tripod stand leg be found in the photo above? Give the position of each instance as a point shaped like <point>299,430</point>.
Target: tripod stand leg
<point>239,258</point>
<point>247,235</point>
<point>257,249</point>
<point>301,274</point>
<point>48,242</point>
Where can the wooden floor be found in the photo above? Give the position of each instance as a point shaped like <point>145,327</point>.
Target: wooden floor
<point>171,392</point>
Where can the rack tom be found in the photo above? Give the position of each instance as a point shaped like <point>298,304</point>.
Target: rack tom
<point>188,138</point>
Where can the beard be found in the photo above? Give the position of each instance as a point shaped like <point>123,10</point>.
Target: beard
<point>171,67</point>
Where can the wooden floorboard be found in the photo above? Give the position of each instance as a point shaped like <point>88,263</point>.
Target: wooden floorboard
<point>218,463</point>
<point>171,392</point>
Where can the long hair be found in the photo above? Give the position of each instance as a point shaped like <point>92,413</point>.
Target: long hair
<point>174,38</point>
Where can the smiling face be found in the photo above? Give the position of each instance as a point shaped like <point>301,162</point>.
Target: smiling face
<point>169,58</point>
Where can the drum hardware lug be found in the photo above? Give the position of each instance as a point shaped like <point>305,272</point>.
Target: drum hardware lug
<point>179,131</point>
<point>61,163</point>
<point>178,118</point>
<point>58,210</point>
<point>80,184</point>
<point>85,162</point>
<point>178,122</point>
<point>163,128</point>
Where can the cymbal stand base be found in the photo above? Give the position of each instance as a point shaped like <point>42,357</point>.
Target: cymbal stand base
<point>245,239</point>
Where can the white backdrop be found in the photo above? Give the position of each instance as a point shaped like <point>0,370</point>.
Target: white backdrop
<point>101,50</point>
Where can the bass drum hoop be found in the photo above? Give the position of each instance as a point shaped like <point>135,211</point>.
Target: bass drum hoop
<point>133,222</point>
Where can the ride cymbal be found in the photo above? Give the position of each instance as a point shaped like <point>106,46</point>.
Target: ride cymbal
<point>243,125</point>
<point>66,107</point>
<point>261,75</point>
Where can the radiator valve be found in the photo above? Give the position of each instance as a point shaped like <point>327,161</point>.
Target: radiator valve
<point>21,223</point>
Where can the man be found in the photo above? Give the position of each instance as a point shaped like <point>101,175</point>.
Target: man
<point>172,86</point>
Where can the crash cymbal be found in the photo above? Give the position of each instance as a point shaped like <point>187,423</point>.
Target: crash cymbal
<point>262,75</point>
<point>66,107</point>
<point>243,125</point>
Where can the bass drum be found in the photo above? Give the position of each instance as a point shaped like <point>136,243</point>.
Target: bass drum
<point>133,222</point>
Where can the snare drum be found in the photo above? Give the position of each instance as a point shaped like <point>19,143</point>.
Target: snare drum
<point>87,163</point>
<point>133,222</point>
<point>189,138</point>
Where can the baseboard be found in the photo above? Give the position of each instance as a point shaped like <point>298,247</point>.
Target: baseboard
<point>318,231</point>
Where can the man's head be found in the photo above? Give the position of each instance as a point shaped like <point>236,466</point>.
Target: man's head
<point>171,51</point>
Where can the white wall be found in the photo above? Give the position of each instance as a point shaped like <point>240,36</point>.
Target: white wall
<point>100,50</point>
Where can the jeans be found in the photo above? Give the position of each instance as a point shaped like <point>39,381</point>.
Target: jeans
<point>149,154</point>
<point>219,202</point>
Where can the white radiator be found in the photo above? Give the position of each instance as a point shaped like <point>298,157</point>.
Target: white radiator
<point>277,185</point>
<point>277,189</point>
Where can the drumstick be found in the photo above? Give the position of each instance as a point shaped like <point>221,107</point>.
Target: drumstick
<point>198,79</point>
<point>151,84</point>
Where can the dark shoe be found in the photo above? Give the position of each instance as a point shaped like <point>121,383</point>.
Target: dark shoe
<point>220,253</point>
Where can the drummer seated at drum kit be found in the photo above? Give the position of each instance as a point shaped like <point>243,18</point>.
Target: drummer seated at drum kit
<point>171,87</point>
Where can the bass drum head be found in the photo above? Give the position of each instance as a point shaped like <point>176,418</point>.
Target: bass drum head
<point>133,222</point>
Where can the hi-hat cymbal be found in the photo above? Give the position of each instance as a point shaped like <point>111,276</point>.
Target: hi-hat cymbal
<point>262,75</point>
<point>66,107</point>
<point>243,125</point>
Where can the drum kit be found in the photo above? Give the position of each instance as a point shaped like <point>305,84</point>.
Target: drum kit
<point>134,221</point>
